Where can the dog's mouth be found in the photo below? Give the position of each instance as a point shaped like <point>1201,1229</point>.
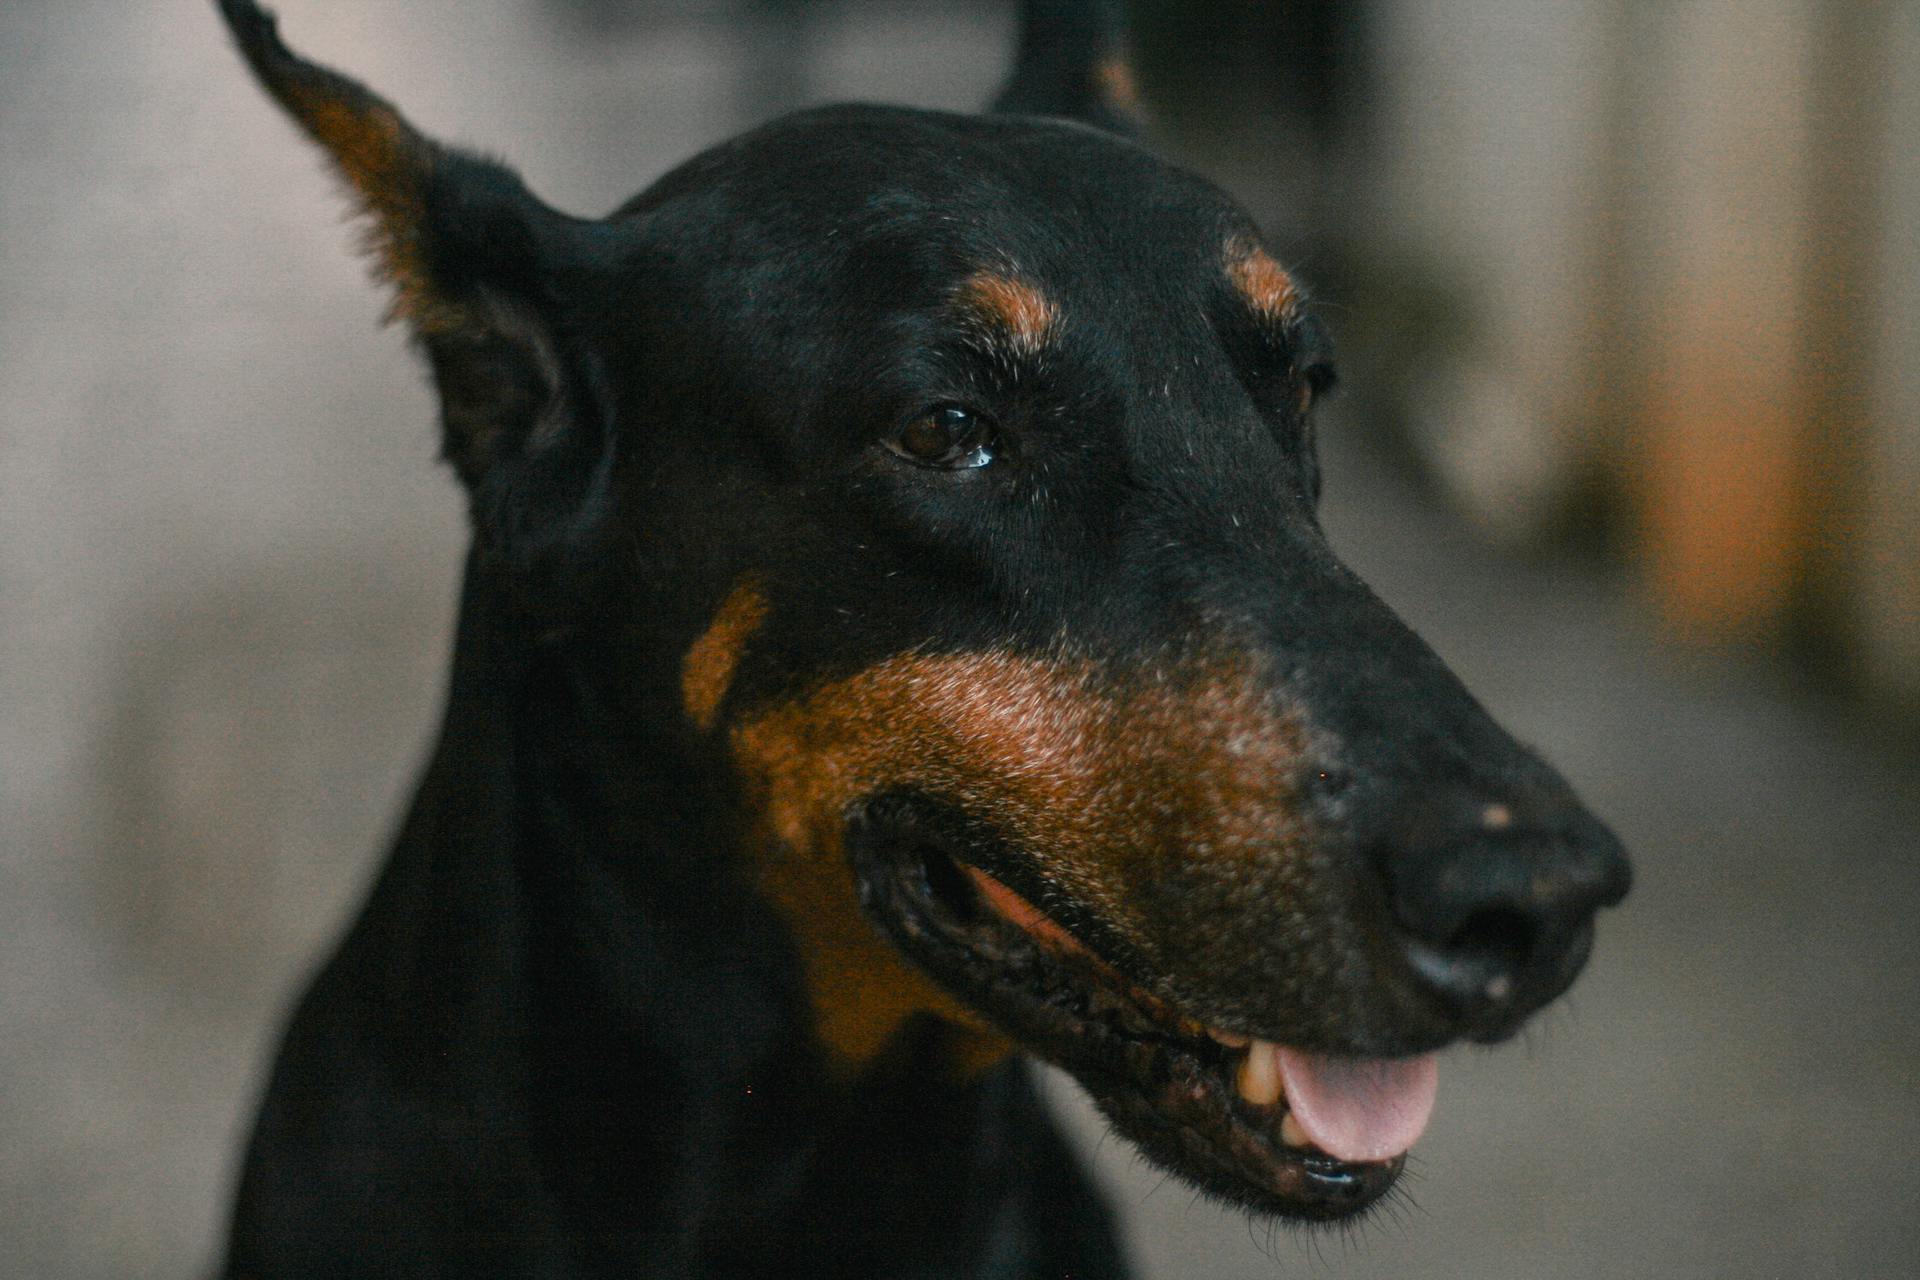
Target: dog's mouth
<point>1279,1129</point>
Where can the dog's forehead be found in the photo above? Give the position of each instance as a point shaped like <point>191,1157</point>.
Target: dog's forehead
<point>844,267</point>
<point>934,197</point>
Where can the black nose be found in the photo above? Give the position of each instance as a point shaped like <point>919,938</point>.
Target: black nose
<point>1494,914</point>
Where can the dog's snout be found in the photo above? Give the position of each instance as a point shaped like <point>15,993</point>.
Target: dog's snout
<point>1494,917</point>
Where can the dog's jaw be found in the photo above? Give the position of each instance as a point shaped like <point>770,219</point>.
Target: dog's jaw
<point>1179,1089</point>
<point>1357,1110</point>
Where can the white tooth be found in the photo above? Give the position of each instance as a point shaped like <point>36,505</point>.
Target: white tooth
<point>1231,1039</point>
<point>1258,1078</point>
<point>1292,1134</point>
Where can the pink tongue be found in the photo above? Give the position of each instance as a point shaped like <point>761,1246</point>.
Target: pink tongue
<point>1359,1109</point>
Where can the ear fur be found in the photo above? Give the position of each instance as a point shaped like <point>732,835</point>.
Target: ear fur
<point>1073,62</point>
<point>469,252</point>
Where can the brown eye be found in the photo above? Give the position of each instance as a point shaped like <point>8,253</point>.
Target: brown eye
<point>950,437</point>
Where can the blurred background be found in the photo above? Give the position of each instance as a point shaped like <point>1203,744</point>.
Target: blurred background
<point>1629,302</point>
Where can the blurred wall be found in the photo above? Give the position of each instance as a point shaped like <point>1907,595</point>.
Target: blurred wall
<point>1681,241</point>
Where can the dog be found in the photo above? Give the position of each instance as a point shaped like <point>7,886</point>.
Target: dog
<point>897,639</point>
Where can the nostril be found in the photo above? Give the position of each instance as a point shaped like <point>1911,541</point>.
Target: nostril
<point>1480,961</point>
<point>1493,945</point>
<point>1497,924</point>
<point>1494,935</point>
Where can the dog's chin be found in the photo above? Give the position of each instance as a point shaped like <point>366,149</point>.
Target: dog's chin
<point>1163,1079</point>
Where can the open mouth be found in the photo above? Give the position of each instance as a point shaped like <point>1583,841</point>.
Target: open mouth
<point>1279,1129</point>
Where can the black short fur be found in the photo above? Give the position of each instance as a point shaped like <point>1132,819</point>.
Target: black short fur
<point>570,1034</point>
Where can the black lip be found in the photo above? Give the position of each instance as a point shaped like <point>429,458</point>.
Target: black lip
<point>1169,1092</point>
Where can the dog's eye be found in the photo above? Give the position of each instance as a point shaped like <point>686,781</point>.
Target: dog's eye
<point>951,437</point>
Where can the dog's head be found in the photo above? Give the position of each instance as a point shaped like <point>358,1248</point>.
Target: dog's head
<point>951,481</point>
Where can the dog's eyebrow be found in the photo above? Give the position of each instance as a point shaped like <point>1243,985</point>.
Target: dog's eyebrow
<point>1262,282</point>
<point>1013,311</point>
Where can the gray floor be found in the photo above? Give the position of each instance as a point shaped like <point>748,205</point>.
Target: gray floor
<point>226,567</point>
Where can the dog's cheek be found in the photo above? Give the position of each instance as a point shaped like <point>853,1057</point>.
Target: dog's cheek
<point>1119,790</point>
<point>802,766</point>
<point>907,723</point>
<point>863,990</point>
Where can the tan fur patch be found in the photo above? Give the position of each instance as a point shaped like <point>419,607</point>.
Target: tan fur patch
<point>1113,79</point>
<point>371,147</point>
<point>863,990</point>
<point>383,163</point>
<point>1015,310</point>
<point>1264,283</point>
<point>706,673</point>
<point>1096,775</point>
<point>385,166</point>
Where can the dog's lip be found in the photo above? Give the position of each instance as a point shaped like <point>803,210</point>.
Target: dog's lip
<point>1044,929</point>
<point>1165,1079</point>
<point>1317,1094</point>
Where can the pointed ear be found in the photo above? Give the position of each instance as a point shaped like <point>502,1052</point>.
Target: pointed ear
<point>471,255</point>
<point>1073,62</point>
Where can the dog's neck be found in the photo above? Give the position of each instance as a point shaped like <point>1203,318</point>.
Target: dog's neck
<point>564,950</point>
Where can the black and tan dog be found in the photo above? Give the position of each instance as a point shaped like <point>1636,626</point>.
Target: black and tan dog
<point>897,634</point>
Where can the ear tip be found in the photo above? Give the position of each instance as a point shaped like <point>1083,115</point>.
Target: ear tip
<point>253,26</point>
<point>256,32</point>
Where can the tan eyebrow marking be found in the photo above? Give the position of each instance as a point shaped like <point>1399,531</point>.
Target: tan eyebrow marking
<point>1264,283</point>
<point>706,673</point>
<point>1014,308</point>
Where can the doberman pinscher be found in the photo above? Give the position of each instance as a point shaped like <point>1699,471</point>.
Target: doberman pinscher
<point>897,636</point>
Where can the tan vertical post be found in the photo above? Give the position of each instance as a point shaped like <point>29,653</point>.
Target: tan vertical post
<point>1714,491</point>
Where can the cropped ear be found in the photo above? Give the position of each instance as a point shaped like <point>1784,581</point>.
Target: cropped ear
<point>1073,63</point>
<point>472,257</point>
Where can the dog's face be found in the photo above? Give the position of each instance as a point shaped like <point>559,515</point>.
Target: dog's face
<point>958,474</point>
<point>1023,632</point>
